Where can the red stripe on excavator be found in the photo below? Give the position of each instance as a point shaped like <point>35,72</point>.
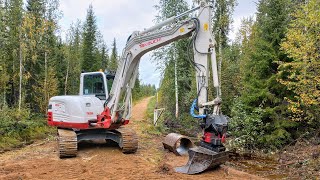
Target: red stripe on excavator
<point>82,125</point>
<point>69,125</point>
<point>103,121</point>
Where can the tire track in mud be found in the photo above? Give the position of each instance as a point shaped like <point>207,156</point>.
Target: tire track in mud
<point>105,160</point>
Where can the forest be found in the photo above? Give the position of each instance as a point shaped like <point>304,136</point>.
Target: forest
<point>269,75</point>
<point>270,85</point>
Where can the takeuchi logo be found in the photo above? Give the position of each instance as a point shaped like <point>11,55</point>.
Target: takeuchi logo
<point>142,45</point>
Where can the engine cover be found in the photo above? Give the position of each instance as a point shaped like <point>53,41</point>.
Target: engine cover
<point>73,111</point>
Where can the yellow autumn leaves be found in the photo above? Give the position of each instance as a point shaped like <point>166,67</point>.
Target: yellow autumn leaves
<point>302,74</point>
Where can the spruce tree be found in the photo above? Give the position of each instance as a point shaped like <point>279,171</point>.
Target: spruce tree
<point>73,55</point>
<point>101,52</point>
<point>113,64</point>
<point>33,27</point>
<point>89,62</point>
<point>104,58</point>
<point>262,96</point>
<point>222,20</point>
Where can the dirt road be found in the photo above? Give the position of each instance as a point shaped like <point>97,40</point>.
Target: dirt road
<point>105,161</point>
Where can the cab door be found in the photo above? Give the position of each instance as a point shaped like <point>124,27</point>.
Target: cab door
<point>94,83</point>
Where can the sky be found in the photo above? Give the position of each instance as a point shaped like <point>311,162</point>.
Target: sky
<point>119,18</point>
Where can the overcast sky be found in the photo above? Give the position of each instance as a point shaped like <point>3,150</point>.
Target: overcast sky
<point>119,18</point>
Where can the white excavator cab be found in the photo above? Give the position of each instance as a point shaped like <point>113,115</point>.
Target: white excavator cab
<point>96,83</point>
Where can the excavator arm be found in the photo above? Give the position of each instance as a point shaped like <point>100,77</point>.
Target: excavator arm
<point>166,32</point>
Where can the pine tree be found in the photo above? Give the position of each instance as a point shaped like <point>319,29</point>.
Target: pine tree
<point>113,64</point>
<point>89,62</point>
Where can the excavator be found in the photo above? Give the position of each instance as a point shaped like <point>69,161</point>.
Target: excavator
<point>101,111</point>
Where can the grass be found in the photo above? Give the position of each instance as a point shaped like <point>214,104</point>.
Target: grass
<point>150,128</point>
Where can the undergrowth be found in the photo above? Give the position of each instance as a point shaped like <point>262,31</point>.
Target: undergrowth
<point>18,128</point>
<point>185,124</point>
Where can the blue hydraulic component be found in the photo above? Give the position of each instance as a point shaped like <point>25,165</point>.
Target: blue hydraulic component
<point>194,106</point>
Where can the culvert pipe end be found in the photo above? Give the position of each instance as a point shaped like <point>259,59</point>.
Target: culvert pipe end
<point>177,143</point>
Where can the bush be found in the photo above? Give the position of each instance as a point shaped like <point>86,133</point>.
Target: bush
<point>20,127</point>
<point>258,128</point>
<point>246,127</point>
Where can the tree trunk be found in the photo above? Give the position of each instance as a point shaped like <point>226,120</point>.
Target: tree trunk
<point>20,74</point>
<point>66,81</point>
<point>45,77</point>
<point>176,83</point>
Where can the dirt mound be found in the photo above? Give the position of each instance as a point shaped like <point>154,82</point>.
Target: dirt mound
<point>165,168</point>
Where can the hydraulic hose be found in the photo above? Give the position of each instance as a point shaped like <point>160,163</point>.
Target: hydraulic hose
<point>193,107</point>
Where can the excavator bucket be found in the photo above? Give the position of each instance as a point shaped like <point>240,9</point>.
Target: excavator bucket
<point>201,159</point>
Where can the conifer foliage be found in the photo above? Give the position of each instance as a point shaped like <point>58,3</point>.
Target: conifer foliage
<point>89,62</point>
<point>36,63</point>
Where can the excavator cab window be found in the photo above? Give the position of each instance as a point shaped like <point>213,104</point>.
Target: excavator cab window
<point>94,85</point>
<point>109,82</point>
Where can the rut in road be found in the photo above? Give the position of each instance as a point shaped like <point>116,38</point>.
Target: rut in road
<point>106,161</point>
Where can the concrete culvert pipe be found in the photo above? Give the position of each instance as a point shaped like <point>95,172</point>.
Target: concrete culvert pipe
<point>177,143</point>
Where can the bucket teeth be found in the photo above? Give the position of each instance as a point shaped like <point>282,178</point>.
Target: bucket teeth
<point>201,159</point>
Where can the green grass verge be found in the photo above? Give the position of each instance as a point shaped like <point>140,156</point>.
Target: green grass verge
<point>149,128</point>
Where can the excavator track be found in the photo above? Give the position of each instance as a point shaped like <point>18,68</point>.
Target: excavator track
<point>67,143</point>
<point>129,140</point>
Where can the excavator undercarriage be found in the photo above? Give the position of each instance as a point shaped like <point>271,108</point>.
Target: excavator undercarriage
<point>68,139</point>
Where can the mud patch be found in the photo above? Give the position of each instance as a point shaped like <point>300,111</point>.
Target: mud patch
<point>165,168</point>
